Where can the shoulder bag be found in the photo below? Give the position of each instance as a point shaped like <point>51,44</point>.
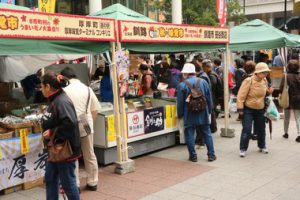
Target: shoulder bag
<point>83,124</point>
<point>283,98</point>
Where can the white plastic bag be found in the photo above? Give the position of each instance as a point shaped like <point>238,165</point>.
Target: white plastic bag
<point>232,104</point>
<point>271,111</point>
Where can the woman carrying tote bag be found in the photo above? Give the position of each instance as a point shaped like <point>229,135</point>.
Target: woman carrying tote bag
<point>293,82</point>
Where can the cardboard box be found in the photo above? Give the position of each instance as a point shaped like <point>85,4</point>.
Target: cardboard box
<point>6,89</point>
<point>6,135</point>
<point>32,184</point>
<point>17,131</point>
<point>11,189</point>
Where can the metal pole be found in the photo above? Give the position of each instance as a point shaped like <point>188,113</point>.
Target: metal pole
<point>244,3</point>
<point>284,18</point>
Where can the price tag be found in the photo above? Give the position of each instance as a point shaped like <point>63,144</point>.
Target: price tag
<point>111,132</point>
<point>168,116</point>
<point>24,141</point>
<point>174,116</point>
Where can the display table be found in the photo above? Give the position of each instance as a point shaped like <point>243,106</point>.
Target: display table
<point>149,129</point>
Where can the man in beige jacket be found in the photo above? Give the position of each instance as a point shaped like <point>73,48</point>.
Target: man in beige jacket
<point>78,93</point>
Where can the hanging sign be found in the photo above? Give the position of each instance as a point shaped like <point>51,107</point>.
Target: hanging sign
<point>24,141</point>
<point>154,119</point>
<point>36,25</point>
<point>111,132</point>
<point>47,6</point>
<point>158,32</point>
<point>222,11</point>
<point>135,122</point>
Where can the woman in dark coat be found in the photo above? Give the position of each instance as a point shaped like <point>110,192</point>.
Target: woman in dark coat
<point>293,81</point>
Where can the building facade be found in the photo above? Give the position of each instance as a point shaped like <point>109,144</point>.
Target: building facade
<point>272,11</point>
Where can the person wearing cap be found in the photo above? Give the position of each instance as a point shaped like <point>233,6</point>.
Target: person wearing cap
<point>192,119</point>
<point>251,104</point>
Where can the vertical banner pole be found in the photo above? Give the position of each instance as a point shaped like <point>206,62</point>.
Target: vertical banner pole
<point>226,132</point>
<point>116,102</point>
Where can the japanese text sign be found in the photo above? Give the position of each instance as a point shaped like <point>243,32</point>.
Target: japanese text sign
<point>17,168</point>
<point>154,119</point>
<point>158,32</point>
<point>26,24</point>
<point>135,123</point>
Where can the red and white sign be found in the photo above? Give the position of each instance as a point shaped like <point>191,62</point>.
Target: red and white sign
<point>222,11</point>
<point>135,122</point>
<point>171,33</point>
<point>36,25</point>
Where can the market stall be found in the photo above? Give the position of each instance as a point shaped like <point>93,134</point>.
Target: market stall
<point>25,33</point>
<point>153,127</point>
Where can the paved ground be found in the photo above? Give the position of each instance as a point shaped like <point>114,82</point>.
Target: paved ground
<point>168,174</point>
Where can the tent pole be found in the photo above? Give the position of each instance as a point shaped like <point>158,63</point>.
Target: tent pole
<point>226,132</point>
<point>116,103</point>
<point>125,165</point>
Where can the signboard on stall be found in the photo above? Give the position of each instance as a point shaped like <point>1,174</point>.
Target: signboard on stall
<point>26,24</point>
<point>154,119</point>
<point>17,168</point>
<point>160,32</point>
<point>135,123</point>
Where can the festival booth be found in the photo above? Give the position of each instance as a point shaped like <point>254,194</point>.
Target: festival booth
<point>150,123</point>
<point>27,35</point>
<point>256,35</point>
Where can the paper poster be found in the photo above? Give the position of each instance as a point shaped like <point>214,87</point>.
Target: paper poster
<point>47,6</point>
<point>24,141</point>
<point>174,116</point>
<point>168,116</point>
<point>154,119</point>
<point>111,132</point>
<point>135,122</point>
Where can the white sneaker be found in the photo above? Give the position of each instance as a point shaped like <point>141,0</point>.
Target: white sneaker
<point>264,150</point>
<point>242,154</point>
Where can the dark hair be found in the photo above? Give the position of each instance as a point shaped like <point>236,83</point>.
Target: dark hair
<point>249,67</point>
<point>56,81</point>
<point>143,67</point>
<point>239,63</point>
<point>217,61</point>
<point>68,72</point>
<point>106,70</point>
<point>293,66</point>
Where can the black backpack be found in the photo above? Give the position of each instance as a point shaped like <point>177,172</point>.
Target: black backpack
<point>196,100</point>
<point>219,86</point>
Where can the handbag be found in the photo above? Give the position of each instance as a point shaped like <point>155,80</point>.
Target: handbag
<point>83,124</point>
<point>283,98</point>
<point>58,150</point>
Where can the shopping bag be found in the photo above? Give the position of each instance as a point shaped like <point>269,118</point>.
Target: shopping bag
<point>271,111</point>
<point>283,98</point>
<point>232,104</point>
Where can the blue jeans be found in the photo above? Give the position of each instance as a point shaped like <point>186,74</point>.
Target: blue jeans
<point>256,116</point>
<point>189,133</point>
<point>61,173</point>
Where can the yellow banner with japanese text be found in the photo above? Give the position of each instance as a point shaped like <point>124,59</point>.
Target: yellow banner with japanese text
<point>47,6</point>
<point>161,32</point>
<point>24,141</point>
<point>36,25</point>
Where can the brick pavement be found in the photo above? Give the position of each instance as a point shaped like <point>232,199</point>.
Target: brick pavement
<point>167,174</point>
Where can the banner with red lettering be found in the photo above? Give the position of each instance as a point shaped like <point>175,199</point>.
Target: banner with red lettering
<point>222,11</point>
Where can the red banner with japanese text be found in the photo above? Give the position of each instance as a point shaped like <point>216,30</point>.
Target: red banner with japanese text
<point>130,31</point>
<point>36,25</point>
<point>222,11</point>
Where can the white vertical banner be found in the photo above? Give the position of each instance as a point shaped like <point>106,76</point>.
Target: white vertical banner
<point>17,168</point>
